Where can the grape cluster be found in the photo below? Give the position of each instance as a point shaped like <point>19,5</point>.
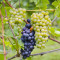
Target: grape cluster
<point>28,40</point>
<point>16,17</point>
<point>41,23</point>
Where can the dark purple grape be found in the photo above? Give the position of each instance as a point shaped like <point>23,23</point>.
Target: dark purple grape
<point>28,20</point>
<point>25,47</point>
<point>23,53</point>
<point>31,34</point>
<point>28,55</point>
<point>32,37</point>
<point>24,57</point>
<point>24,28</point>
<point>24,34</point>
<point>29,38</point>
<point>31,47</point>
<point>23,31</point>
<point>31,41</point>
<point>21,50</point>
<point>22,39</point>
<point>29,44</point>
<point>27,31</point>
<point>25,38</point>
<point>27,35</point>
<point>29,52</point>
<point>33,44</point>
<point>25,43</point>
<point>28,26</point>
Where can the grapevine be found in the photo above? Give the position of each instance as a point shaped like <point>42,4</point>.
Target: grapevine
<point>29,37</point>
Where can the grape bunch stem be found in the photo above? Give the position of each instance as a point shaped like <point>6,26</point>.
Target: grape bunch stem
<point>28,23</point>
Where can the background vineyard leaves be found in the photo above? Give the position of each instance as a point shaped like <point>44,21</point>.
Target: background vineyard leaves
<point>31,5</point>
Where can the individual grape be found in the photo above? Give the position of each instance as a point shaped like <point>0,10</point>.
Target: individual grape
<point>28,20</point>
<point>24,28</point>
<point>41,23</point>
<point>31,34</point>
<point>28,26</point>
<point>28,39</point>
<point>32,37</point>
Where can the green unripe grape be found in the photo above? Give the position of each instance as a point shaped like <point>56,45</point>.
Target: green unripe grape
<point>43,45</point>
<point>16,18</point>
<point>38,30</point>
<point>38,46</point>
<point>39,40</point>
<point>40,43</point>
<point>41,23</point>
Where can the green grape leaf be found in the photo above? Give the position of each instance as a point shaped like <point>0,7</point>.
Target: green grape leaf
<point>55,31</point>
<point>36,1</point>
<point>29,58</point>
<point>8,33</point>
<point>20,43</point>
<point>15,30</point>
<point>57,12</point>
<point>42,4</point>
<point>57,6</point>
<point>56,3</point>
<point>8,44</point>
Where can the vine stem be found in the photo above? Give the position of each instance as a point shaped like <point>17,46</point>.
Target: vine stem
<point>54,40</point>
<point>19,3</point>
<point>42,10</point>
<point>26,22</point>
<point>45,52</point>
<point>54,19</point>
<point>3,35</point>
<point>8,3</point>
<point>42,53</point>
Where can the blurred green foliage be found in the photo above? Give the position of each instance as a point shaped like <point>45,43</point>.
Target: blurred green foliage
<point>32,5</point>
